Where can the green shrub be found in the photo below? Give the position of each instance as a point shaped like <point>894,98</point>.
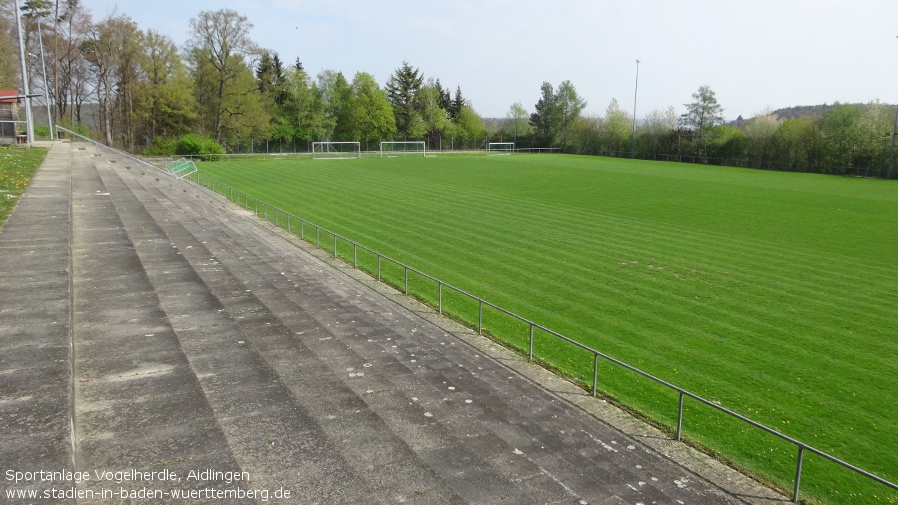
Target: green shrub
<point>203,148</point>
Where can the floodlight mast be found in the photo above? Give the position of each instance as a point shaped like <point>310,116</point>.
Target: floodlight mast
<point>633,134</point>
<point>28,119</point>
<point>892,152</point>
<point>40,40</point>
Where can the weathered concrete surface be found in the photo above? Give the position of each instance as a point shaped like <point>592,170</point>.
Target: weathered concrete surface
<point>35,325</point>
<point>190,337</point>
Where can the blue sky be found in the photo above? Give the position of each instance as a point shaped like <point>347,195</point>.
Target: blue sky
<point>754,54</point>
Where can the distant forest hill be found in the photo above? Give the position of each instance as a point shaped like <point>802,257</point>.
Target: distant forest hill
<point>815,111</point>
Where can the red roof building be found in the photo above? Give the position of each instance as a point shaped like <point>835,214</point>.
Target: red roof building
<point>9,114</point>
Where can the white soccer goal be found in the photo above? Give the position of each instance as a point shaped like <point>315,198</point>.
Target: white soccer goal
<point>181,168</point>
<point>500,148</point>
<point>336,150</point>
<point>392,149</point>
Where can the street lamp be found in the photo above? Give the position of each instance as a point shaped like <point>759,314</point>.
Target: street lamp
<point>633,133</point>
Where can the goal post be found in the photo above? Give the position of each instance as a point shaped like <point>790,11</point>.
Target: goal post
<point>392,149</point>
<point>500,148</point>
<point>336,150</point>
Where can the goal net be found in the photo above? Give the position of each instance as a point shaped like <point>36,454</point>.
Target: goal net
<point>336,150</point>
<point>500,148</point>
<point>392,149</point>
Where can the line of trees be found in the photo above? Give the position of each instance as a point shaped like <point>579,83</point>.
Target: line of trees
<point>844,138</point>
<point>138,90</point>
<point>847,138</point>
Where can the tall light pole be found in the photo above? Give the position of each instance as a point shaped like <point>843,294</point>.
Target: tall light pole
<point>633,133</point>
<point>28,119</point>
<point>892,153</point>
<point>40,39</point>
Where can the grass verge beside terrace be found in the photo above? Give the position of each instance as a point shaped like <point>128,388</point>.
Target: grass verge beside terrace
<point>17,166</point>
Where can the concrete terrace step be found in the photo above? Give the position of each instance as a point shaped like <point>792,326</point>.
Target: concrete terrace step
<point>273,435</point>
<point>138,403</point>
<point>335,405</point>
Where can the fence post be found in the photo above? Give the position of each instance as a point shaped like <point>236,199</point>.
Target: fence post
<point>378,268</point>
<point>302,229</point>
<point>680,418</point>
<point>798,474</point>
<point>355,255</point>
<point>335,245</point>
<point>289,229</point>
<point>595,375</point>
<point>317,237</point>
<point>440,291</point>
<point>531,341</point>
<point>406,279</point>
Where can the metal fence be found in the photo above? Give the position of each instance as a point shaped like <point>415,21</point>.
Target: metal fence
<point>298,227</point>
<point>364,154</point>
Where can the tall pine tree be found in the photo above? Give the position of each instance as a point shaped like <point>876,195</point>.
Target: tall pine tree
<point>402,91</point>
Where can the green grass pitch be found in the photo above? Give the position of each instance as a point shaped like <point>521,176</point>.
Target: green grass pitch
<point>774,294</point>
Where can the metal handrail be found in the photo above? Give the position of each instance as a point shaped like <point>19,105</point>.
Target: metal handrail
<point>234,195</point>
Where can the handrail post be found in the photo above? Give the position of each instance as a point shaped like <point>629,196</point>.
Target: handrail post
<point>680,417</point>
<point>480,318</point>
<point>798,474</point>
<point>595,375</point>
<point>531,341</point>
